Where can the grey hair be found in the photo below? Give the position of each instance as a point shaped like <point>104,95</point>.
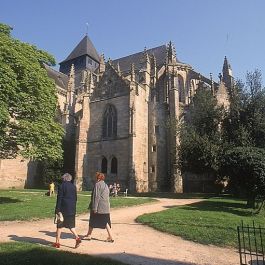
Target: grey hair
<point>67,177</point>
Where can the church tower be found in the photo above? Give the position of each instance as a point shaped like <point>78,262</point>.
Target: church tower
<point>84,56</point>
<point>227,74</point>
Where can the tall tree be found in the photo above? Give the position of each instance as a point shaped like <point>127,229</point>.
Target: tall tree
<point>200,134</point>
<point>244,124</point>
<point>254,111</point>
<point>27,102</point>
<point>244,138</point>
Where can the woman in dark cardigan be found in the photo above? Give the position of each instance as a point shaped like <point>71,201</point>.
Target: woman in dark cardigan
<point>66,204</point>
<point>100,208</point>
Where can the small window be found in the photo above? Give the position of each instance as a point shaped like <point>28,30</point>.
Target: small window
<point>104,165</point>
<point>157,129</point>
<point>110,122</point>
<point>154,148</point>
<point>114,165</point>
<point>152,169</point>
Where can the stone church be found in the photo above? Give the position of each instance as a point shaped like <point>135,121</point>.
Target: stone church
<point>119,115</point>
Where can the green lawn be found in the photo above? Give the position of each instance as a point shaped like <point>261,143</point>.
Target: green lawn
<point>34,204</point>
<point>30,254</point>
<point>213,221</point>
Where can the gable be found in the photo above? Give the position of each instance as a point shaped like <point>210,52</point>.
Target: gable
<point>111,85</point>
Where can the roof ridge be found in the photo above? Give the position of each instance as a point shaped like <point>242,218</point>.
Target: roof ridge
<point>51,68</point>
<point>139,52</point>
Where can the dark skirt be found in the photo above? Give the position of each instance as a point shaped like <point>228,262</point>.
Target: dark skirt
<point>98,220</point>
<point>68,222</point>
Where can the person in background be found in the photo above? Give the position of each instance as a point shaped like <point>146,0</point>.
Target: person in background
<point>110,189</point>
<point>100,208</point>
<point>66,204</point>
<point>114,190</point>
<point>51,188</point>
<point>118,188</point>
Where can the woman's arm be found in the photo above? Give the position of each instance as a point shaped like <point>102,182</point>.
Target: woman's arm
<point>59,199</point>
<point>96,197</point>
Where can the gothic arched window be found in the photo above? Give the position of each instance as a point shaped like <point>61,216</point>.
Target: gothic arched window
<point>104,164</point>
<point>181,89</point>
<point>114,165</point>
<point>110,122</point>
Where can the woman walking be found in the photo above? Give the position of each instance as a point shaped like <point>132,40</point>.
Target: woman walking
<point>66,204</point>
<point>100,208</point>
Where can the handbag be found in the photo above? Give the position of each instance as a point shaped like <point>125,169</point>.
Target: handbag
<point>58,218</point>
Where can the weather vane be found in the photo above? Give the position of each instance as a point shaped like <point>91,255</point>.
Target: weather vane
<point>87,24</point>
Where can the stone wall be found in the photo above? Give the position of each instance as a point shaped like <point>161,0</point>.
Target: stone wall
<point>158,157</point>
<point>98,147</point>
<point>140,142</point>
<point>17,173</point>
<point>198,182</point>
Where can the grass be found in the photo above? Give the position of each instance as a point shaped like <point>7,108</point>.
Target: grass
<point>172,195</point>
<point>30,254</point>
<point>34,204</point>
<point>213,221</point>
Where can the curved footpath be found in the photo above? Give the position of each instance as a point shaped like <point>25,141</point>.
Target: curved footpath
<point>134,244</point>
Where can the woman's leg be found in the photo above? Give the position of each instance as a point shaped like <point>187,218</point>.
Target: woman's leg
<point>77,238</point>
<point>110,238</point>
<point>89,232</point>
<point>58,235</point>
<point>74,232</point>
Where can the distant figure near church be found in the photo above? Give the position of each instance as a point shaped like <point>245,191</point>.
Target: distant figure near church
<point>51,188</point>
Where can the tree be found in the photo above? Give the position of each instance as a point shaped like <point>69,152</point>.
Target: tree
<point>27,102</point>
<point>244,138</point>
<point>244,124</point>
<point>246,168</point>
<point>254,108</point>
<point>200,134</point>
<point>204,114</point>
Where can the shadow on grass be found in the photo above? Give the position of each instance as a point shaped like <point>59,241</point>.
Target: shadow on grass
<point>4,200</point>
<point>25,254</point>
<point>237,208</point>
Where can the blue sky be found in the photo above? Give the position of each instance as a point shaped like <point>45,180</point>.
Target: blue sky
<point>203,31</point>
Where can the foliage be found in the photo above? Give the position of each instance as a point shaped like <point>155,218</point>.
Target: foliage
<point>51,171</point>
<point>27,102</point>
<point>246,168</point>
<point>255,108</point>
<point>200,135</point>
<point>204,114</point>
<point>244,124</point>
<point>5,29</point>
<point>198,154</point>
<point>244,138</point>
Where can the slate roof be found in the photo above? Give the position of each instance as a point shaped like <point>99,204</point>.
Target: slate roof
<point>159,52</point>
<point>84,47</point>
<point>60,79</point>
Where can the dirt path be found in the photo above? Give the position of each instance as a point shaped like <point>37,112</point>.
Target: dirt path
<point>134,244</point>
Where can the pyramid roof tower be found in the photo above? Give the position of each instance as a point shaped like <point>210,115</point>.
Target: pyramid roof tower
<point>80,56</point>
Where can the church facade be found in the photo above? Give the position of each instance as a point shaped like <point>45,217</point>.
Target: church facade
<point>120,115</point>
